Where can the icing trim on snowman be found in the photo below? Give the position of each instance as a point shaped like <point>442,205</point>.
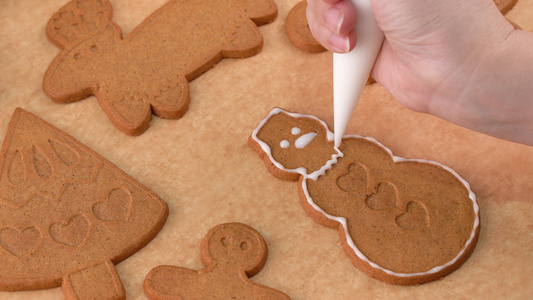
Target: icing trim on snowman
<point>300,143</point>
<point>341,220</point>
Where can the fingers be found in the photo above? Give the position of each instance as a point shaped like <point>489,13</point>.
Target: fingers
<point>331,23</point>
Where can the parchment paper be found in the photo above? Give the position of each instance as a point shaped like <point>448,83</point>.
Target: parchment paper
<point>202,167</point>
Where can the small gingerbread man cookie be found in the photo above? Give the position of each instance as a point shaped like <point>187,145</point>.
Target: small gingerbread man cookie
<point>232,253</point>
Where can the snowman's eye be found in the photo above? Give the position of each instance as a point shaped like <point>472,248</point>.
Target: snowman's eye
<point>284,144</point>
<point>295,131</point>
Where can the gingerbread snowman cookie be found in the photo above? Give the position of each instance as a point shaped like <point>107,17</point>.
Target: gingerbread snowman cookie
<point>403,221</point>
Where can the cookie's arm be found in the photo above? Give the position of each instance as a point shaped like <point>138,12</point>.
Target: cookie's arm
<point>170,282</point>
<point>246,41</point>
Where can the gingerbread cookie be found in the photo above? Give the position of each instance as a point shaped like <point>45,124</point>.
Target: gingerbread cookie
<point>298,31</point>
<point>67,215</point>
<point>149,70</point>
<point>403,221</point>
<point>232,253</point>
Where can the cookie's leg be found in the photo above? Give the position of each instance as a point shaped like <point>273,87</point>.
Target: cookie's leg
<point>96,280</point>
<point>246,41</point>
<point>173,99</point>
<point>131,114</point>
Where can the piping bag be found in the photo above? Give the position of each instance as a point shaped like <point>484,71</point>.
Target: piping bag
<point>351,70</point>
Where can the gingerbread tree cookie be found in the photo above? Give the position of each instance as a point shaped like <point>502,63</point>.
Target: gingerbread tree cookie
<point>403,221</point>
<point>232,253</point>
<point>67,215</point>
<point>148,71</point>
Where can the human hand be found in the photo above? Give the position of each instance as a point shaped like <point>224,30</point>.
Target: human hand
<point>447,58</point>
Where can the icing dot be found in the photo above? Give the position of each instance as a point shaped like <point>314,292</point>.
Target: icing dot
<point>295,131</point>
<point>284,144</point>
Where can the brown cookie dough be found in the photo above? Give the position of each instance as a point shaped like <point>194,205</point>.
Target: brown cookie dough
<point>149,70</point>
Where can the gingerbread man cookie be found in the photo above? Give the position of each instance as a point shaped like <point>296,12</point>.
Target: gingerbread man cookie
<point>232,253</point>
<point>149,70</point>
<point>403,221</point>
<point>67,215</point>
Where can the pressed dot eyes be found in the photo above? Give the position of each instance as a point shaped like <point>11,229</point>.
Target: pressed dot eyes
<point>226,241</point>
<point>244,246</point>
<point>93,49</point>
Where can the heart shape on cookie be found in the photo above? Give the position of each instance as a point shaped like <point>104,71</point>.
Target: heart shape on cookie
<point>385,197</point>
<point>355,179</point>
<point>415,217</point>
<point>117,207</point>
<point>20,242</point>
<point>70,233</point>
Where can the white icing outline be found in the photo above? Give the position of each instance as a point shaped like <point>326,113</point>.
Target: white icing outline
<point>341,220</point>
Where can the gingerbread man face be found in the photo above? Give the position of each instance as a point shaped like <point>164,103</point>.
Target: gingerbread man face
<point>404,221</point>
<point>238,247</point>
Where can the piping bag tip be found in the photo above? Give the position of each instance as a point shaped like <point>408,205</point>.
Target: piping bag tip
<point>351,70</point>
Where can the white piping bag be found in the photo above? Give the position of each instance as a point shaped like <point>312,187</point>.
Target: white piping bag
<point>351,70</point>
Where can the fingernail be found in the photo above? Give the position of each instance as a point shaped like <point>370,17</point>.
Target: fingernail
<point>334,18</point>
<point>342,43</point>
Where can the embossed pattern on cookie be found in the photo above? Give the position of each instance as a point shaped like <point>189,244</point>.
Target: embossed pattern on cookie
<point>67,215</point>
<point>149,70</point>
<point>403,221</point>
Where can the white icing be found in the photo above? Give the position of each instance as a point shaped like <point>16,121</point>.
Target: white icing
<point>284,144</point>
<point>295,131</point>
<point>301,170</point>
<point>305,139</point>
<point>341,220</point>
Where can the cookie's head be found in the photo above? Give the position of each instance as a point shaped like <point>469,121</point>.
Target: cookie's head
<point>82,29</point>
<point>71,77</point>
<point>236,246</point>
<point>295,144</point>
